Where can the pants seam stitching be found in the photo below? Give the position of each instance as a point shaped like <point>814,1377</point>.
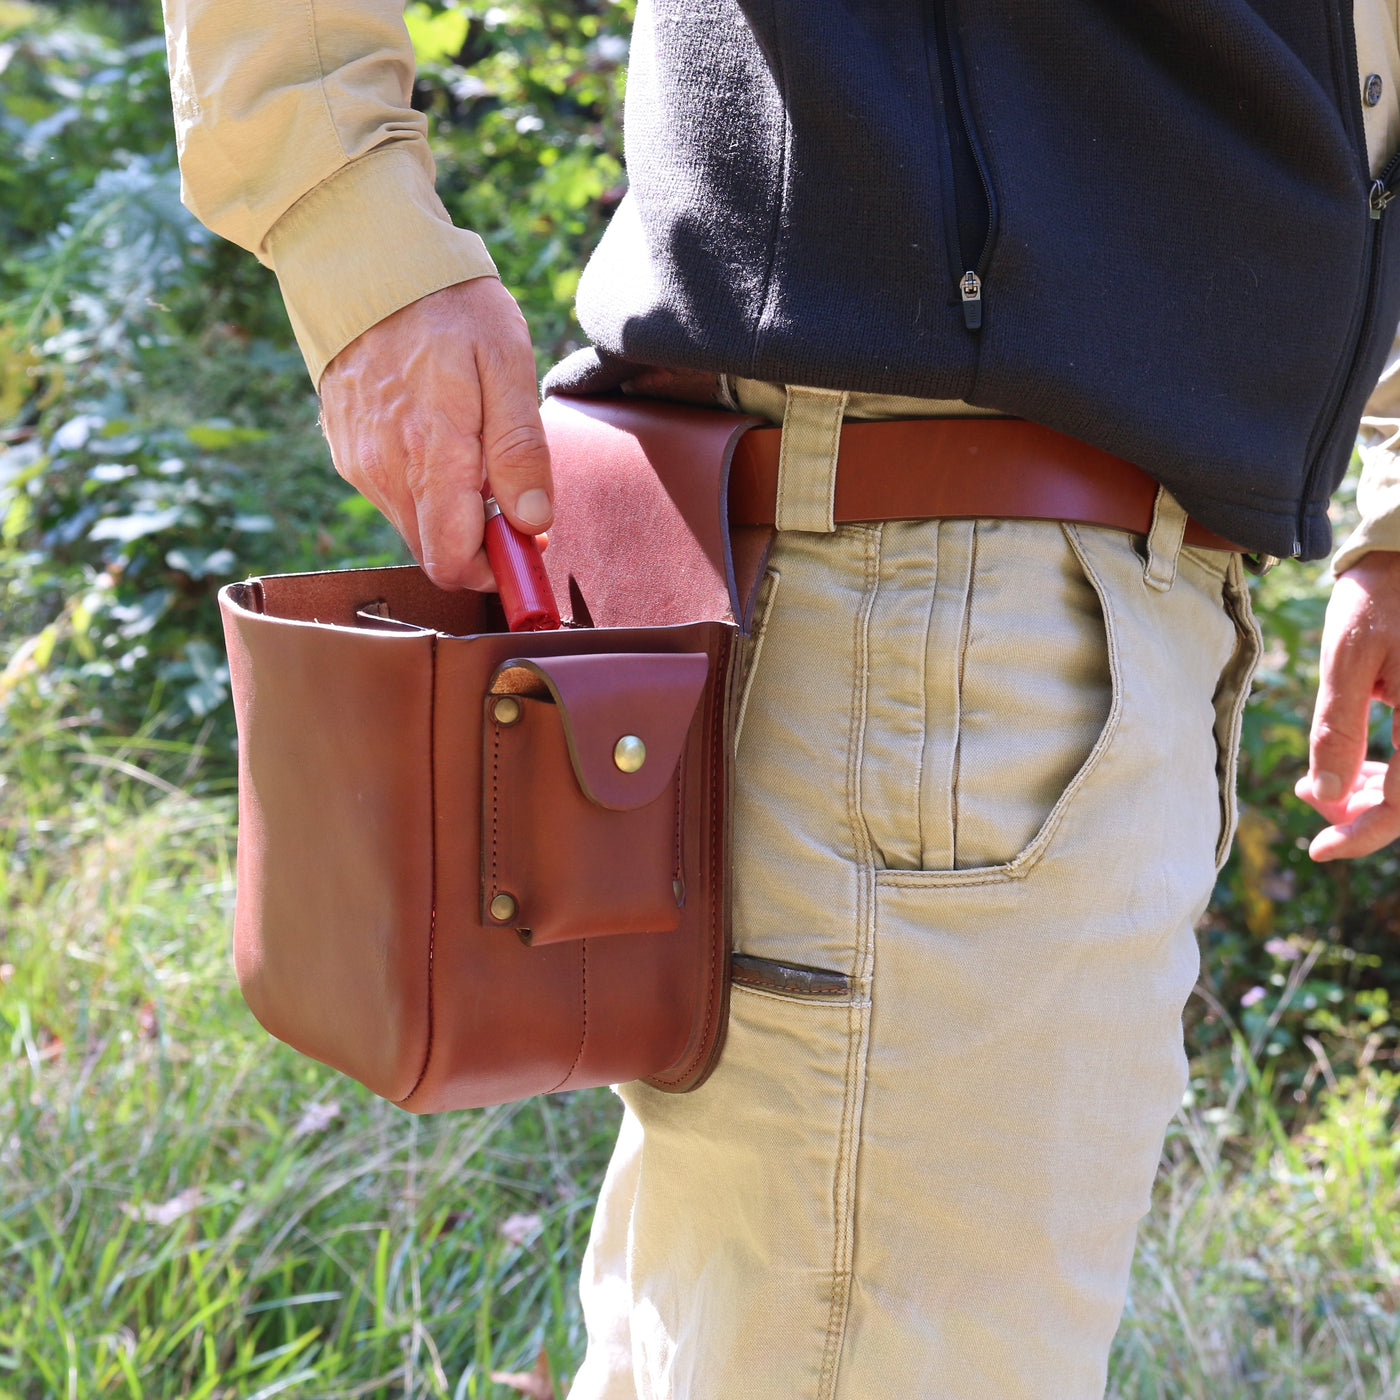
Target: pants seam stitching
<point>843,1203</point>
<point>964,641</point>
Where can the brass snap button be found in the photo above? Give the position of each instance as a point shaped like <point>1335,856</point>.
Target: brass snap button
<point>506,711</point>
<point>629,753</point>
<point>503,908</point>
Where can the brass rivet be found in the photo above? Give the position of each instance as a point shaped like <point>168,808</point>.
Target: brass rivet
<point>506,710</point>
<point>678,889</point>
<point>629,753</point>
<point>503,908</point>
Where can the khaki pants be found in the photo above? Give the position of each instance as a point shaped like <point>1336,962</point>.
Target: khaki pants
<point>984,777</point>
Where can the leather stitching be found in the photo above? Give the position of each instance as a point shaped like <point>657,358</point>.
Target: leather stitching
<point>432,866</point>
<point>495,803</point>
<point>676,868</point>
<point>583,1007</point>
<point>714,761</point>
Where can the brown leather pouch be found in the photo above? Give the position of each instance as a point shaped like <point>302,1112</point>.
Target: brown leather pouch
<point>476,865</point>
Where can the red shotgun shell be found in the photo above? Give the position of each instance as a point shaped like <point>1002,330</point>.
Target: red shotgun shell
<point>515,561</point>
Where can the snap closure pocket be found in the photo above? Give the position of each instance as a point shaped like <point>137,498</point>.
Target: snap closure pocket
<point>581,794</point>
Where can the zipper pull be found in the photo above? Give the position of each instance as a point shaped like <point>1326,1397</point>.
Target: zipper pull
<point>971,288</point>
<point>1380,197</point>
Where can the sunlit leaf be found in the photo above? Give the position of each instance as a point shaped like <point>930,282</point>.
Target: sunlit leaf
<point>216,437</point>
<point>436,37</point>
<point>126,528</point>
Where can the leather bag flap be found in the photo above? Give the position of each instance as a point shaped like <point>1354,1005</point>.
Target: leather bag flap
<point>608,698</point>
<point>641,534</point>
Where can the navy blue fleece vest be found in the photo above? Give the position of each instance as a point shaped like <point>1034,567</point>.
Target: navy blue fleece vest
<point>1147,223</point>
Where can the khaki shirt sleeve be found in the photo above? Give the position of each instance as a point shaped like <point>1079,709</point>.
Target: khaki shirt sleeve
<point>297,140</point>
<point>1378,491</point>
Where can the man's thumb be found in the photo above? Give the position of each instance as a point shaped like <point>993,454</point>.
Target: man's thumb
<point>516,459</point>
<point>514,448</point>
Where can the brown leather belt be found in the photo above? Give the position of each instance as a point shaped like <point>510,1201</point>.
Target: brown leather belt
<point>961,468</point>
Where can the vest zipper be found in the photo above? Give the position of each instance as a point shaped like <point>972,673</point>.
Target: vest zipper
<point>1383,187</point>
<point>971,289</point>
<point>1380,191</point>
<point>1379,196</point>
<point>968,195</point>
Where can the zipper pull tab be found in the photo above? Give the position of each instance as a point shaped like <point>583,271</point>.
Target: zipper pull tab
<point>971,288</point>
<point>1380,197</point>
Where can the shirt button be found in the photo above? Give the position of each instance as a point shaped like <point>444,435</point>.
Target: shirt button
<point>1374,87</point>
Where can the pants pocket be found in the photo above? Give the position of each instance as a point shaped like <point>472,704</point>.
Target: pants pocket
<point>725,1230</point>
<point>795,981</point>
<point>1019,692</point>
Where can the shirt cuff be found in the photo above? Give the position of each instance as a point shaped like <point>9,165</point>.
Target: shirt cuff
<point>369,240</point>
<point>1377,496</point>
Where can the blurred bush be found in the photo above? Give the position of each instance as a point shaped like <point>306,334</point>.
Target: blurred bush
<point>1300,967</point>
<point>158,437</point>
<point>157,430</point>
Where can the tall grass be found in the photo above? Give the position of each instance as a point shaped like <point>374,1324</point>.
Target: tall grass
<point>190,1210</point>
<point>1269,1268</point>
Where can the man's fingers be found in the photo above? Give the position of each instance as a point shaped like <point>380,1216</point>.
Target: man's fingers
<point>450,514</point>
<point>425,405</point>
<point>1363,837</point>
<point>1337,747</point>
<point>1371,819</point>
<point>1360,662</point>
<point>512,436</point>
<point>392,499</point>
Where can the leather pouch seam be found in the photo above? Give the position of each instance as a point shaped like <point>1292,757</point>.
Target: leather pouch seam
<point>716,1002</point>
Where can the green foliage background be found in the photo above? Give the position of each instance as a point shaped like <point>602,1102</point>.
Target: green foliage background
<point>158,427</point>
<point>158,437</point>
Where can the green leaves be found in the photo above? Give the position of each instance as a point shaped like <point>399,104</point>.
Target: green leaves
<point>157,432</point>
<point>188,1208</point>
<point>218,434</point>
<point>526,129</point>
<point>437,37</point>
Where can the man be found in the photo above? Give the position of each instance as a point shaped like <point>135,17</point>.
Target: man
<point>985,772</point>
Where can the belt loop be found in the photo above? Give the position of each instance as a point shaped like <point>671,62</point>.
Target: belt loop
<point>1164,541</point>
<point>811,443</point>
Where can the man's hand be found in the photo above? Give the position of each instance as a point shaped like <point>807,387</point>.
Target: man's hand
<point>417,407</point>
<point>1360,662</point>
